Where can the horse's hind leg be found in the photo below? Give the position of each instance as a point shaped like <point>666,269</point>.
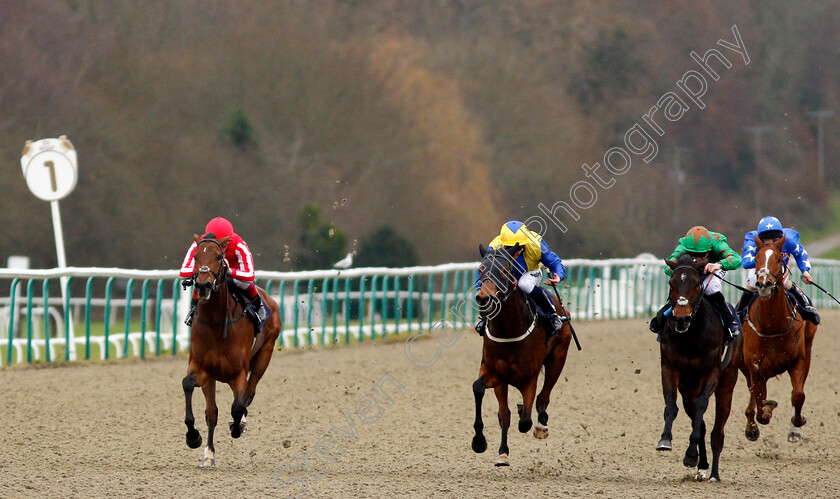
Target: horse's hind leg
<point>504,421</point>
<point>211,414</point>
<point>237,410</point>
<point>554,363</point>
<point>193,436</point>
<point>479,443</point>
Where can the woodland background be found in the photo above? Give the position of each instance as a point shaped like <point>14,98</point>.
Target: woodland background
<point>405,131</point>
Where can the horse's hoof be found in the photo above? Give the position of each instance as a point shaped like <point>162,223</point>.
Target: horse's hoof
<point>479,444</point>
<point>795,435</point>
<point>701,475</point>
<point>240,429</point>
<point>691,461</point>
<point>193,439</point>
<point>209,461</point>
<point>525,426</point>
<point>752,435</point>
<point>503,460</point>
<point>714,479</point>
<point>540,431</point>
<point>663,444</point>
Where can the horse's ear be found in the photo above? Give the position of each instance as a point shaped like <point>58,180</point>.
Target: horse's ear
<point>196,238</point>
<point>781,242</point>
<point>758,242</point>
<point>671,263</point>
<point>223,240</point>
<point>482,250</point>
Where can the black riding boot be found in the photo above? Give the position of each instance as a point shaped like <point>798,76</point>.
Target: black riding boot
<point>743,303</point>
<point>189,319</point>
<point>719,303</point>
<point>258,311</point>
<point>806,306</point>
<point>543,300</point>
<point>658,320</point>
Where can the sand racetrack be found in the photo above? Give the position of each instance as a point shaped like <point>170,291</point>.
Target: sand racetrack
<point>116,429</point>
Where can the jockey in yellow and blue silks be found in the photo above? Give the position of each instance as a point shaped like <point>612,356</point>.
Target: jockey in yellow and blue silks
<point>527,269</point>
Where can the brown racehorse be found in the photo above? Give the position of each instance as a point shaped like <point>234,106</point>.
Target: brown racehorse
<point>514,350</point>
<point>776,339</point>
<point>695,363</point>
<point>223,347</point>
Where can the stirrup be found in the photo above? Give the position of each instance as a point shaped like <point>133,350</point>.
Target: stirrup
<point>189,319</point>
<point>481,325</point>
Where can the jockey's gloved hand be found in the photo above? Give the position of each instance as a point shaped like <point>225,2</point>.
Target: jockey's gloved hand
<point>187,282</point>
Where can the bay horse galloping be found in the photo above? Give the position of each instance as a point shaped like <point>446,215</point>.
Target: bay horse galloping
<point>514,350</point>
<point>695,362</point>
<point>776,339</point>
<point>223,347</point>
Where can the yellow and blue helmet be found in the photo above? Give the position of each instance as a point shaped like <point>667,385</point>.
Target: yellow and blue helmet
<point>513,232</point>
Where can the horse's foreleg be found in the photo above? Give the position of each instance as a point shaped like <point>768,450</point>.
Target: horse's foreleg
<point>797,399</point>
<point>751,431</point>
<point>528,395</point>
<point>670,379</point>
<point>764,407</point>
<point>211,414</point>
<point>237,409</point>
<point>504,422</point>
<point>193,435</point>
<point>723,406</point>
<point>479,443</point>
<point>695,455</point>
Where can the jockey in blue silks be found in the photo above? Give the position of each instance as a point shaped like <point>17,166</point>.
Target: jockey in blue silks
<point>770,230</point>
<point>527,269</point>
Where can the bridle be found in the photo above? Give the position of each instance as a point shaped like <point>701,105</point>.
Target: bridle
<point>683,301</point>
<point>218,277</point>
<point>510,285</point>
<point>778,277</point>
<point>510,288</point>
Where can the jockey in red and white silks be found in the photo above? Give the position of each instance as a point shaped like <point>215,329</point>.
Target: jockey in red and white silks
<point>240,263</point>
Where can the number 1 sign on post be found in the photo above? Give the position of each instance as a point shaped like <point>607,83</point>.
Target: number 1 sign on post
<point>49,167</point>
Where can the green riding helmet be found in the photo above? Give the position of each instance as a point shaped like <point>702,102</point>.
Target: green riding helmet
<point>697,240</point>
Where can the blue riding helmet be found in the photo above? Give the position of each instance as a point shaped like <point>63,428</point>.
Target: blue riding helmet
<point>769,228</point>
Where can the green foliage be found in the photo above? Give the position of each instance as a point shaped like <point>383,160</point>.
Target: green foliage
<point>321,243</point>
<point>238,129</point>
<point>385,247</point>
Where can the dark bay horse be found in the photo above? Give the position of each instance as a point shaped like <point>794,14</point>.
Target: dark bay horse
<point>776,339</point>
<point>514,350</point>
<point>223,347</point>
<point>691,349</point>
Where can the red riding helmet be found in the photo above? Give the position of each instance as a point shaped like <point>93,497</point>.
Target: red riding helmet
<point>220,227</point>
